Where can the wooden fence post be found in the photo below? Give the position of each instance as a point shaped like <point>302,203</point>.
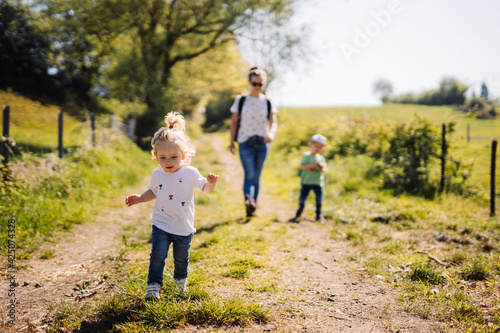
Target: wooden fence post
<point>492,178</point>
<point>60,145</point>
<point>92,127</point>
<point>468,133</point>
<point>443,158</point>
<point>5,134</point>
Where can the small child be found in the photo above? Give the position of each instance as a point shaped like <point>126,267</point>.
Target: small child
<point>313,165</point>
<point>172,185</point>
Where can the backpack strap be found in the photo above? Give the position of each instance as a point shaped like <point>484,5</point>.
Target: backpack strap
<point>240,107</point>
<point>268,108</point>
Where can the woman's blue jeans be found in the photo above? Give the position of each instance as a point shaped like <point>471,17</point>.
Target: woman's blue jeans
<point>159,252</point>
<point>253,154</point>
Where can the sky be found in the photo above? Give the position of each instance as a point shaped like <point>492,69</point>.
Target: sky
<point>413,44</point>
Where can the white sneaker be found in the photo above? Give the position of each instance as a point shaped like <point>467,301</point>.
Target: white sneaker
<point>181,284</point>
<point>153,291</point>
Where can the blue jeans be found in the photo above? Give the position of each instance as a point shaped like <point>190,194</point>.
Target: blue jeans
<point>253,154</point>
<point>304,192</point>
<point>159,252</point>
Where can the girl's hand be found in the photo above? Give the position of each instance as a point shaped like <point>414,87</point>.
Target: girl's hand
<point>267,139</point>
<point>212,179</point>
<point>132,200</point>
<point>210,185</point>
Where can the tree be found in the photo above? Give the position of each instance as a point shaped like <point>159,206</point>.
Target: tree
<point>383,88</point>
<point>24,61</point>
<point>484,91</point>
<point>272,43</point>
<point>171,32</point>
<point>451,92</point>
<point>81,32</point>
<point>162,34</point>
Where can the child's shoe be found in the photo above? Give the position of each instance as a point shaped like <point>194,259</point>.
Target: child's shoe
<point>296,219</point>
<point>320,219</point>
<point>181,284</point>
<point>153,291</point>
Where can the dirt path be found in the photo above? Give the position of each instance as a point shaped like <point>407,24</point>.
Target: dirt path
<point>325,295</point>
<point>83,255</point>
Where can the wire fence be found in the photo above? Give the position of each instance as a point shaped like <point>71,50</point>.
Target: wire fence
<point>42,132</point>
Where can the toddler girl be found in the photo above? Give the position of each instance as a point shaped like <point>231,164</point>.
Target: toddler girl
<point>172,185</point>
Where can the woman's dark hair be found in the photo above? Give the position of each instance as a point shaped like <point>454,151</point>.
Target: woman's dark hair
<point>257,71</point>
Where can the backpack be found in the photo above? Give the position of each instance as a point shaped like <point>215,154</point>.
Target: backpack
<point>240,107</point>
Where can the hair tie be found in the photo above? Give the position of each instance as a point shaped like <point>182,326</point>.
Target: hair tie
<point>171,126</point>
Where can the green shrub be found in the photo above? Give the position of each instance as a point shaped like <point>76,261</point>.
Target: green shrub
<point>44,201</point>
<point>413,146</point>
<point>217,110</point>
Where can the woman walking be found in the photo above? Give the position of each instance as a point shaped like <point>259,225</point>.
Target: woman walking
<point>253,126</point>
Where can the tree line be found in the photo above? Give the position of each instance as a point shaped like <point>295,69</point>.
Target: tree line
<point>450,92</point>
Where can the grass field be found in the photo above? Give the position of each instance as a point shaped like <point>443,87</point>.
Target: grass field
<point>46,194</point>
<point>397,238</point>
<point>477,151</point>
<point>34,126</point>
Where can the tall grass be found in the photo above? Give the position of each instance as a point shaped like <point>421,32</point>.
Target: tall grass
<point>45,194</point>
<point>48,194</point>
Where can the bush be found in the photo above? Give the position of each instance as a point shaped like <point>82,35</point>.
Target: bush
<point>413,147</point>
<point>480,108</point>
<point>217,110</point>
<point>407,155</point>
<point>49,197</point>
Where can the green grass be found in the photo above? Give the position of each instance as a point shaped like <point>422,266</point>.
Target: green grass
<point>231,273</point>
<point>387,233</point>
<point>477,151</point>
<point>34,126</point>
<point>45,194</point>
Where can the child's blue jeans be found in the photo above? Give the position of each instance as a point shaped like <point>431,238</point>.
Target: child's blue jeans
<point>159,252</point>
<point>304,192</point>
<point>253,153</point>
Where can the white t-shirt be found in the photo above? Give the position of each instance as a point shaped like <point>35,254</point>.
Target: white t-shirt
<point>254,119</point>
<point>174,207</point>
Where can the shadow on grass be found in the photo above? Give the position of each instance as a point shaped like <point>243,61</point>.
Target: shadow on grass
<point>105,324</point>
<point>211,228</point>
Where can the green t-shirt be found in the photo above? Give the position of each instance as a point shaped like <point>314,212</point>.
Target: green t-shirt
<point>316,177</point>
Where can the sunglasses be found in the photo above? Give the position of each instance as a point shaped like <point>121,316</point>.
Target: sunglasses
<point>255,84</point>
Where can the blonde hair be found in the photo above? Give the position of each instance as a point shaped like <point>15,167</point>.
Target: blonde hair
<point>174,132</point>
<point>257,71</point>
